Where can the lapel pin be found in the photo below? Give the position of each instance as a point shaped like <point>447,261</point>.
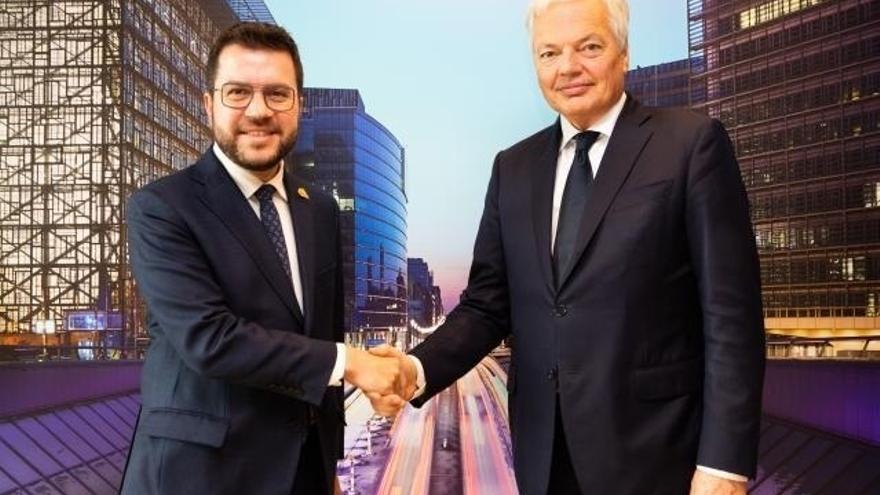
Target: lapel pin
<point>302,193</point>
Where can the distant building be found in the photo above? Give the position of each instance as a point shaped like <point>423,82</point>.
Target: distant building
<point>797,85</point>
<point>251,10</point>
<point>437,299</point>
<point>424,308</point>
<point>352,156</point>
<point>662,85</point>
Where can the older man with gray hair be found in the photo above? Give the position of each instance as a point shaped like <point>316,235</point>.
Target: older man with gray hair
<point>615,252</point>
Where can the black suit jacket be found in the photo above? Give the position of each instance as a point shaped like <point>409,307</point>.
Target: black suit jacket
<point>654,338</point>
<point>234,371</point>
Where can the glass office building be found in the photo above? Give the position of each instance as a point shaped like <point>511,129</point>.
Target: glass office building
<point>97,98</point>
<point>797,85</point>
<point>662,85</point>
<point>353,157</point>
<point>251,10</point>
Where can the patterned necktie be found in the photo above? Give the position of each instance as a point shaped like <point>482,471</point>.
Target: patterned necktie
<point>574,197</point>
<point>272,224</point>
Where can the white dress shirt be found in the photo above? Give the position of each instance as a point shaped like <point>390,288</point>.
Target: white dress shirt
<point>248,184</point>
<point>567,148</point>
<point>604,126</point>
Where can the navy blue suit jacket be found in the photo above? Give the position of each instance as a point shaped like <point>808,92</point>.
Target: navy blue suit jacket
<point>653,338</point>
<point>234,371</point>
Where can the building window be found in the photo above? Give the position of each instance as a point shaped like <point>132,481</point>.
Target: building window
<point>872,194</point>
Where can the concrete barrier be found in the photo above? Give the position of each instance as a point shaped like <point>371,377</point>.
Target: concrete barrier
<point>841,397</point>
<point>26,388</point>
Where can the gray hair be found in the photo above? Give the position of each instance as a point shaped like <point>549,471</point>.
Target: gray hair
<point>618,13</point>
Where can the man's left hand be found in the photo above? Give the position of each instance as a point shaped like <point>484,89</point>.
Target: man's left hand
<point>707,484</point>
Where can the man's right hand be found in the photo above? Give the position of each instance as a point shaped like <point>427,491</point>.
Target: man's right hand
<point>383,378</point>
<point>406,386</point>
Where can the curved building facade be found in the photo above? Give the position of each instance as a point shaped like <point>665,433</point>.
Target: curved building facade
<point>352,156</point>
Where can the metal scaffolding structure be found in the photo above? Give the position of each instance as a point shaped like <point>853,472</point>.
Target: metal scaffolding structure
<point>97,98</point>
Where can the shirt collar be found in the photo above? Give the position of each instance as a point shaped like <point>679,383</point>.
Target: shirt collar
<point>603,126</point>
<point>247,182</point>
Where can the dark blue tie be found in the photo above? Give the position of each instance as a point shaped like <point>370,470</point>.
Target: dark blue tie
<point>574,197</point>
<point>272,224</point>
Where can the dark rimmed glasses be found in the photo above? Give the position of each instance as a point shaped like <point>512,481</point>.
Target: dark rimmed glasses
<point>278,97</point>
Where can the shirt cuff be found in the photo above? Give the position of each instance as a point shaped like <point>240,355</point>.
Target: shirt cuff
<point>338,368</point>
<point>420,376</point>
<point>723,474</point>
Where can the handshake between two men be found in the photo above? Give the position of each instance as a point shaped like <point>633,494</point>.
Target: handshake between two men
<point>386,375</point>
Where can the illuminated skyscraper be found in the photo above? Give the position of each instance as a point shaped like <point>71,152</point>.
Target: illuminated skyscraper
<point>352,156</point>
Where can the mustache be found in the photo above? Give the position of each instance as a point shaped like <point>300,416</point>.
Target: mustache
<point>260,125</point>
<point>270,129</point>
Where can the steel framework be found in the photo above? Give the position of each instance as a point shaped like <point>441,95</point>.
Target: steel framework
<point>97,98</point>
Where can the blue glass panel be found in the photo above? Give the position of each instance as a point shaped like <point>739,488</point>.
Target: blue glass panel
<point>861,477</point>
<point>775,456</point>
<point>43,488</point>
<point>121,410</point>
<point>68,437</point>
<point>119,425</point>
<point>829,467</point>
<point>793,467</point>
<point>86,431</point>
<point>108,471</point>
<point>6,483</point>
<point>101,425</point>
<point>28,450</point>
<point>770,437</point>
<point>91,479</point>
<point>17,468</point>
<point>69,485</point>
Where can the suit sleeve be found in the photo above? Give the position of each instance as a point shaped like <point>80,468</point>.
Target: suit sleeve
<point>187,305</point>
<point>339,331</point>
<point>725,260</point>
<point>480,321</point>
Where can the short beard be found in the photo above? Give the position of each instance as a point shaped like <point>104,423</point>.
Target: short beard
<point>229,146</point>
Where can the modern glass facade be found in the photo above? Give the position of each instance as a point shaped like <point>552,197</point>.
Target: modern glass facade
<point>251,10</point>
<point>797,85</point>
<point>97,98</point>
<point>353,157</point>
<point>663,85</point>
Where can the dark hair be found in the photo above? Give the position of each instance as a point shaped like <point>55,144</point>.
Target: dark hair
<point>255,35</point>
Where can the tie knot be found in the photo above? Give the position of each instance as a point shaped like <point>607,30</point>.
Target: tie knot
<point>265,192</point>
<point>585,140</point>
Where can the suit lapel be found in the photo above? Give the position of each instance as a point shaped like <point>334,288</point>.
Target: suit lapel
<point>626,144</point>
<point>302,213</point>
<point>542,198</point>
<point>222,196</point>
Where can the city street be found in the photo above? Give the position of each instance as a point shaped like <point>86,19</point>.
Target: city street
<point>458,442</point>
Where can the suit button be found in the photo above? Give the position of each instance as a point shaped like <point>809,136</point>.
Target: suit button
<point>551,374</point>
<point>560,310</point>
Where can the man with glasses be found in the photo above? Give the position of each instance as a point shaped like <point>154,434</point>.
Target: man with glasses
<point>239,264</point>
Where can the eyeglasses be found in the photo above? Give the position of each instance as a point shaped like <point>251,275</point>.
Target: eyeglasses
<point>278,97</point>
